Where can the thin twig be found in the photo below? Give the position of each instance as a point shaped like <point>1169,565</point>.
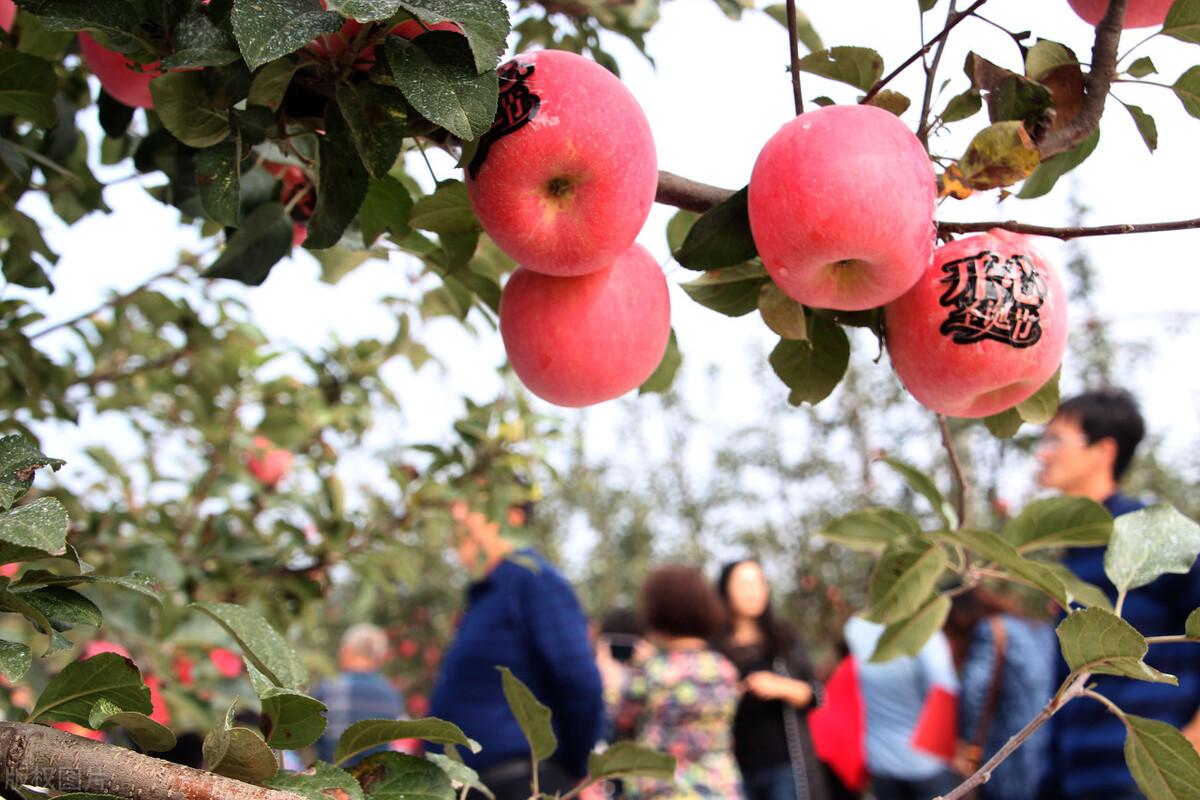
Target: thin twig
<point>112,302</point>
<point>1069,232</point>
<point>1178,639</point>
<point>956,470</point>
<point>930,77</point>
<point>985,772</point>
<point>1109,704</point>
<point>794,49</point>
<point>885,80</point>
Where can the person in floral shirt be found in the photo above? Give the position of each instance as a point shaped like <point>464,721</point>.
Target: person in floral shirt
<point>679,696</point>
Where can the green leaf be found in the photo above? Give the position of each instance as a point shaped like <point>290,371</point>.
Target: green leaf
<point>857,66</point>
<point>137,582</point>
<point>64,607</point>
<point>1018,98</point>
<point>239,753</point>
<point>532,716</point>
<point>962,106</point>
<point>1148,543</point>
<point>377,117</point>
<point>386,209</point>
<point>27,87</point>
<point>260,643</point>
<point>1142,67</point>
<point>19,462</point>
<point>1145,126</point>
<point>1096,640</point>
<point>806,34</point>
<point>1059,522</point>
<point>460,773</point>
<point>264,238</point>
<point>872,529</point>
<point>150,736</point>
<point>907,636</point>
<point>1163,762</point>
<point>721,237</point>
<point>116,18</point>
<point>373,732</point>
<point>1049,171</point>
<point>1005,424</point>
<point>679,226</point>
<point>903,580</point>
<point>1183,21</point>
<point>15,660</point>
<point>40,526</point>
<point>291,720</point>
<point>364,10</point>
<point>342,183</point>
<point>71,693</point>
<point>924,486</point>
<point>396,776</point>
<point>484,22</point>
<point>271,83</point>
<point>1080,591</point>
<point>1187,89</point>
<point>631,760</point>
<point>926,5</point>
<point>182,102</point>
<point>1042,405</point>
<point>200,43</point>
<point>323,782</point>
<point>447,210</point>
<point>664,374</point>
<point>812,368</point>
<point>999,155</point>
<point>219,180</point>
<point>992,548</point>
<point>890,101</point>
<point>732,291</point>
<point>1045,57</point>
<point>437,76</point>
<point>783,315</point>
<point>268,30</point>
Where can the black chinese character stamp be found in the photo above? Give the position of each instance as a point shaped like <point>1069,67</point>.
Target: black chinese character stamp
<point>516,106</point>
<point>991,298</point>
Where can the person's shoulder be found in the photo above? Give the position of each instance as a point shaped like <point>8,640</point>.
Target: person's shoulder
<point>1119,504</point>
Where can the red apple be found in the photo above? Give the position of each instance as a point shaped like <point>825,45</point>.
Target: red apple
<point>1138,13</point>
<point>583,340</point>
<point>8,13</point>
<point>9,570</point>
<point>407,648</point>
<point>842,203</point>
<point>267,463</point>
<point>566,176</point>
<point>158,704</point>
<point>78,730</point>
<point>982,330</point>
<point>183,670</point>
<point>418,705</point>
<point>227,662</point>
<point>125,80</point>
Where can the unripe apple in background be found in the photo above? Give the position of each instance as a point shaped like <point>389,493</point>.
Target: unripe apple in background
<point>1138,13</point>
<point>267,463</point>
<point>127,81</point>
<point>583,340</point>
<point>982,330</point>
<point>842,203</point>
<point>8,13</point>
<point>566,176</point>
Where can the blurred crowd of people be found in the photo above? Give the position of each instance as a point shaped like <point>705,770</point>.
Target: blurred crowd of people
<point>704,671</point>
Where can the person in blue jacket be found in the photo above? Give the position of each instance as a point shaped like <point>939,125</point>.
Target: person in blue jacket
<point>522,614</point>
<point>1085,451</point>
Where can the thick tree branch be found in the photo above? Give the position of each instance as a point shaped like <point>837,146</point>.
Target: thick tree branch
<point>35,755</point>
<point>674,190</point>
<point>1099,81</point>
<point>930,76</point>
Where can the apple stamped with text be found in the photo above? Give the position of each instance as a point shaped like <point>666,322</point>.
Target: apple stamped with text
<point>563,182</point>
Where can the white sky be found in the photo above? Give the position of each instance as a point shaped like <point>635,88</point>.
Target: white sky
<point>719,90</point>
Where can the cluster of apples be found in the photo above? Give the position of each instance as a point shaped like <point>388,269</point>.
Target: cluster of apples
<point>563,182</point>
<point>842,205</point>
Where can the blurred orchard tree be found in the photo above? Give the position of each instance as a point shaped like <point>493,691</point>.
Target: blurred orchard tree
<point>216,516</point>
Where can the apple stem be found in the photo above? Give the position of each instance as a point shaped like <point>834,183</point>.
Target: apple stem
<point>793,46</point>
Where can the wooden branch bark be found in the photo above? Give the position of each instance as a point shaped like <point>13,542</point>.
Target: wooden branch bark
<point>35,755</point>
<point>675,190</point>
<point>1099,81</point>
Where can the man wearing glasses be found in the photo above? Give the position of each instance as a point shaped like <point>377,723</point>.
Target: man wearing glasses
<point>1085,451</point>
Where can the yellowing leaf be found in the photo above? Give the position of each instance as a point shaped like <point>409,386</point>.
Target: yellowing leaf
<point>1000,155</point>
<point>951,184</point>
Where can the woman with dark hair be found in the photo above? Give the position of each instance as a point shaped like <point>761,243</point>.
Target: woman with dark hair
<point>770,732</point>
<point>681,698</point>
<point>1005,681</point>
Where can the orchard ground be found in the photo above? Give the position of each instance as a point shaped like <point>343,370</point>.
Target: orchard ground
<point>718,91</point>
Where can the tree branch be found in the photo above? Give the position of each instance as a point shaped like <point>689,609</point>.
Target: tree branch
<point>35,755</point>
<point>113,302</point>
<point>930,75</point>
<point>674,190</point>
<point>1069,232</point>
<point>960,481</point>
<point>797,95</point>
<point>1096,87</point>
<point>950,24</point>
